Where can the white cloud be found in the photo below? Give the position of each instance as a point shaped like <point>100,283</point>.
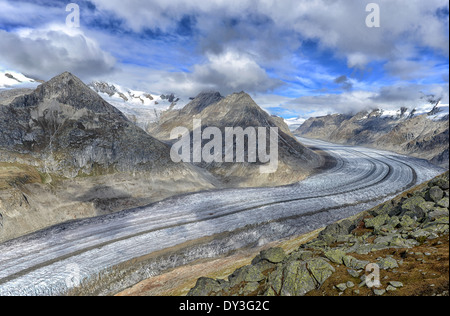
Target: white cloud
<point>386,98</point>
<point>336,24</point>
<point>46,52</point>
<point>233,71</point>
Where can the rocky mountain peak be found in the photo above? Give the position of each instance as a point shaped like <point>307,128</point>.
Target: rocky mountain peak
<point>202,101</point>
<point>69,90</point>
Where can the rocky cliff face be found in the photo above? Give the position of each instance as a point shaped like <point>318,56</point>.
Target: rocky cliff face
<point>239,110</point>
<point>424,135</point>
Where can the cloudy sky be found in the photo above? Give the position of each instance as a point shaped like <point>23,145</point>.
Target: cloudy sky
<point>295,57</point>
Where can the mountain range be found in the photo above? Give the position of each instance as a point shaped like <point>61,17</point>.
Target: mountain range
<point>423,133</point>
<point>142,108</point>
<point>295,161</point>
<point>66,153</point>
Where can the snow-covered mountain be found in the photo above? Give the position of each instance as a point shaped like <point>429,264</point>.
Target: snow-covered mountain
<point>14,80</point>
<point>434,111</point>
<point>421,131</point>
<point>140,107</point>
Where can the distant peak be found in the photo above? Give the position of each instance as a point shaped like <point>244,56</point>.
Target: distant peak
<point>65,77</point>
<point>241,97</point>
<point>202,101</point>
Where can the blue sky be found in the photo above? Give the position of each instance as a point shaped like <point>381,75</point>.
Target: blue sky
<point>295,58</point>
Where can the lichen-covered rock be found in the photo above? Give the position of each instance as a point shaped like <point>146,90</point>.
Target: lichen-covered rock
<point>249,288</point>
<point>376,222</point>
<point>438,212</point>
<point>316,244</point>
<point>335,255</point>
<point>300,255</point>
<point>399,242</point>
<point>383,209</point>
<point>420,235</point>
<point>297,280</point>
<point>387,263</point>
<point>249,273</point>
<point>353,263</point>
<point>440,182</point>
<point>205,287</point>
<point>273,255</point>
<point>275,280</point>
<point>331,232</point>
<point>407,221</point>
<point>443,202</point>
<point>320,270</point>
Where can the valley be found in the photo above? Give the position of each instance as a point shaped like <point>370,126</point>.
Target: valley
<point>108,248</point>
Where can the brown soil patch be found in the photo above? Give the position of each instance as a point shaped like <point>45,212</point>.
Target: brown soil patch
<point>424,272</point>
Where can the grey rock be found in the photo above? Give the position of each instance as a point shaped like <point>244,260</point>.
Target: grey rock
<point>275,279</point>
<point>379,292</point>
<point>438,212</point>
<point>330,233</point>
<point>444,202</point>
<point>387,263</point>
<point>341,287</point>
<point>353,263</point>
<point>396,284</point>
<point>300,255</point>
<point>435,194</point>
<point>273,255</point>
<point>320,270</point>
<point>354,273</point>
<point>442,183</point>
<point>376,222</point>
<point>205,287</point>
<point>297,280</point>
<point>391,288</point>
<point>416,207</point>
<point>335,255</point>
<point>250,288</point>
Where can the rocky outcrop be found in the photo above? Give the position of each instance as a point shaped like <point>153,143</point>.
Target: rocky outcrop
<point>409,220</point>
<point>424,136</point>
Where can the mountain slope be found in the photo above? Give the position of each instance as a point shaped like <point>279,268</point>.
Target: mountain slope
<point>423,135</point>
<point>239,110</point>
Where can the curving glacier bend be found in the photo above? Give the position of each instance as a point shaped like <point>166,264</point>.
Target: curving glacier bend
<point>47,262</point>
